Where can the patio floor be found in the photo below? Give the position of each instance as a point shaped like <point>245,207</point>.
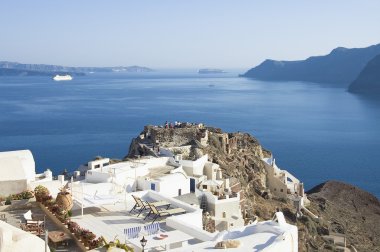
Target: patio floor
<point>15,217</point>
<point>110,221</point>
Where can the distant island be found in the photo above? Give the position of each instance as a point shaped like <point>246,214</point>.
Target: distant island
<point>340,67</point>
<point>368,80</point>
<point>18,69</point>
<point>210,71</point>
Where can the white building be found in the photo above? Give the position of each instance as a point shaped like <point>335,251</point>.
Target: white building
<point>157,174</point>
<point>17,169</point>
<point>207,183</point>
<point>18,173</point>
<point>170,185</point>
<point>269,236</point>
<point>13,239</point>
<point>281,182</point>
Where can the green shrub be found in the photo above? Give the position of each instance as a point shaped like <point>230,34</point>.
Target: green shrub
<point>8,201</point>
<point>23,195</point>
<point>215,142</point>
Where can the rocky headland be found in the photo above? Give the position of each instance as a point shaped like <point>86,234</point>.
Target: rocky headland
<point>368,80</point>
<point>343,210</point>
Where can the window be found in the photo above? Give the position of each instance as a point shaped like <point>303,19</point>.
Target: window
<point>282,190</point>
<point>204,186</point>
<point>179,192</point>
<point>105,164</point>
<point>97,166</point>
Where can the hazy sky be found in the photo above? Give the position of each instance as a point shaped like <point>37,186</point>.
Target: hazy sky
<point>181,34</point>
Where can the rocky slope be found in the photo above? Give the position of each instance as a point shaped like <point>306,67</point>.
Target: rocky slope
<point>351,211</point>
<point>240,157</point>
<point>368,80</point>
<point>340,67</point>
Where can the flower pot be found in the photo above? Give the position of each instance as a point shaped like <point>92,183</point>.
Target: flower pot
<point>65,201</point>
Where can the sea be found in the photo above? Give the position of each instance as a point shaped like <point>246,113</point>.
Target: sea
<point>315,131</point>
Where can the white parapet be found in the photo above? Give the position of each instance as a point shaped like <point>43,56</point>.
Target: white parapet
<point>13,239</point>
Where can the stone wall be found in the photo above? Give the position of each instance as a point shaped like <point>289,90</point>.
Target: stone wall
<point>174,137</point>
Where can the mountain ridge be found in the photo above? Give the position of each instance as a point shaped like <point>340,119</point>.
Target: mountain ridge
<point>8,68</point>
<point>340,67</point>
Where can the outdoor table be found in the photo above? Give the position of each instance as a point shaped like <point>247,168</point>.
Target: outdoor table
<point>58,237</point>
<point>175,236</point>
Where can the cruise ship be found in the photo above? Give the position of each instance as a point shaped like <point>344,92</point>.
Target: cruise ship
<point>210,71</point>
<point>62,77</point>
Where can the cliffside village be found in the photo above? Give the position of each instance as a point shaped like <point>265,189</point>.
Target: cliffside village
<point>157,199</point>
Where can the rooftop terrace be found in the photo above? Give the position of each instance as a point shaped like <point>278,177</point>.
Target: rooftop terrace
<point>110,220</point>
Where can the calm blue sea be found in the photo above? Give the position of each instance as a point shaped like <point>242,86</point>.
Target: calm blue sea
<point>317,133</point>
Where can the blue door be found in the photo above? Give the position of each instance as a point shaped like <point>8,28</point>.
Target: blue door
<point>153,186</point>
<point>192,185</point>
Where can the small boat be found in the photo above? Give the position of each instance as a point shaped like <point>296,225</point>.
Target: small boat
<point>62,77</point>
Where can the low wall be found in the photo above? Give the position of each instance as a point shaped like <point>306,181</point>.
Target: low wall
<point>15,239</point>
<point>12,187</point>
<point>198,233</point>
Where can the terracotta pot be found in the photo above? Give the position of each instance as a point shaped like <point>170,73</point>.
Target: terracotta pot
<point>65,201</point>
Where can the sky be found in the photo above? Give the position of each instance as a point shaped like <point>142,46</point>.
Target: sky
<point>182,34</point>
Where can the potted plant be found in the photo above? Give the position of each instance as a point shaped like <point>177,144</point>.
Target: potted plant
<point>114,244</point>
<point>54,208</point>
<point>96,243</point>
<point>87,236</point>
<point>41,193</point>
<point>64,216</point>
<point>78,232</point>
<point>72,226</point>
<point>64,199</point>
<point>47,200</point>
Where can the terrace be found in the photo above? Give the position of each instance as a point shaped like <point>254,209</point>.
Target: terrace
<point>14,216</point>
<point>112,220</point>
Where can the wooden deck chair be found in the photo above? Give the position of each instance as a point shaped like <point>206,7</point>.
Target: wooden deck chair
<point>138,205</point>
<point>143,205</point>
<point>160,214</point>
<point>29,219</point>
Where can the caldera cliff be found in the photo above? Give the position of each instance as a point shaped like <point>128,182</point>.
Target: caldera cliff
<point>340,67</point>
<point>341,208</point>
